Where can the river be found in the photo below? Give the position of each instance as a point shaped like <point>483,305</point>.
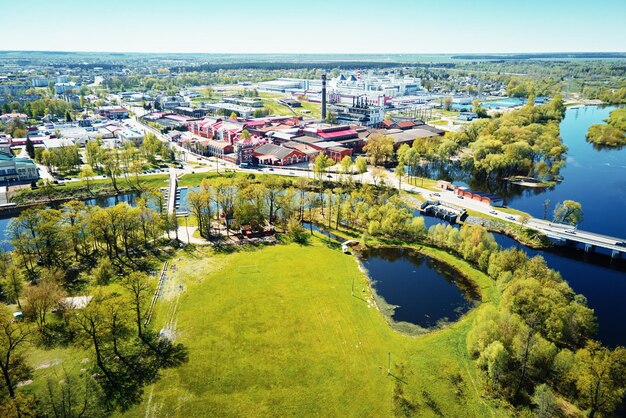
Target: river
<point>597,179</point>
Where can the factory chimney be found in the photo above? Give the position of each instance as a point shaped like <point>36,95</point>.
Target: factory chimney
<point>323,97</point>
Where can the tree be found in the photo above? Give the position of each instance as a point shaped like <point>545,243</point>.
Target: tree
<point>296,231</point>
<point>331,118</point>
<point>87,173</point>
<point>346,166</point>
<point>40,299</point>
<point>322,163</point>
<point>361,166</point>
<point>399,172</point>
<point>93,153</point>
<point>601,377</point>
<point>30,148</point>
<point>13,335</point>
<point>138,285</point>
<point>546,403</point>
<point>233,116</point>
<point>447,103</point>
<point>379,148</point>
<point>245,135</point>
<point>569,212</point>
<point>378,175</point>
<point>13,283</point>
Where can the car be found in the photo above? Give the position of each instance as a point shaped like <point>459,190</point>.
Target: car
<point>570,231</point>
<point>270,169</point>
<point>493,212</point>
<point>291,173</point>
<point>244,165</point>
<point>510,218</point>
<point>435,194</point>
<point>621,243</point>
<point>329,176</point>
<point>460,197</point>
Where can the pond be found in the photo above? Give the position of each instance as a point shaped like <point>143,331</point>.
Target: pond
<point>424,291</point>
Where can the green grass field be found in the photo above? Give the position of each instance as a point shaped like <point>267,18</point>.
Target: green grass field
<point>275,331</point>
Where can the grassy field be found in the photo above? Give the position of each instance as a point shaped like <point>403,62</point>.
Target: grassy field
<point>270,332</point>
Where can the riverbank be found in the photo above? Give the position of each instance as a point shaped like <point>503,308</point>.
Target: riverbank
<point>82,190</point>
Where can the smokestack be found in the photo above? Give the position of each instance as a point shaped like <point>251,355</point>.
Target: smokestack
<point>323,96</point>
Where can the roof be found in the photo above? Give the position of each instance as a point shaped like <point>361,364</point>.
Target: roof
<point>274,150</point>
<point>409,135</point>
<point>337,134</point>
<point>307,149</point>
<point>405,124</point>
<point>217,144</point>
<point>306,139</point>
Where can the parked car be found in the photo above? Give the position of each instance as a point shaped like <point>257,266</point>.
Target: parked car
<point>493,212</point>
<point>510,218</point>
<point>460,197</point>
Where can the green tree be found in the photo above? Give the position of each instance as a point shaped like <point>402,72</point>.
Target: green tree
<point>87,174</point>
<point>30,148</point>
<point>569,212</point>
<point>361,166</point>
<point>346,166</point>
<point>601,377</point>
<point>399,172</point>
<point>545,401</point>
<point>379,148</point>
<point>13,336</point>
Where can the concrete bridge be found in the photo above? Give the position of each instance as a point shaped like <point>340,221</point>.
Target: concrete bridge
<point>590,240</point>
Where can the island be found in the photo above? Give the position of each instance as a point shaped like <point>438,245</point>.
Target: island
<point>609,134</point>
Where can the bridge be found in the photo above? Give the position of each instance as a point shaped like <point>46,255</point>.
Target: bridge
<point>568,234</point>
<point>171,194</point>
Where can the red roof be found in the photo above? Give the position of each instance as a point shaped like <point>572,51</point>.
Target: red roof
<point>337,134</point>
<point>406,124</point>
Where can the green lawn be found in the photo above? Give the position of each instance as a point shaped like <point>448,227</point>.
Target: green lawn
<point>276,332</point>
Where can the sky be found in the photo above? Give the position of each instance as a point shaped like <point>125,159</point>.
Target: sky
<point>314,26</point>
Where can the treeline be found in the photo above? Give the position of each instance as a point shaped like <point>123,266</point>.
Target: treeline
<point>525,141</point>
<point>42,107</point>
<point>226,204</point>
<point>535,346</point>
<point>610,96</point>
<point>63,251</point>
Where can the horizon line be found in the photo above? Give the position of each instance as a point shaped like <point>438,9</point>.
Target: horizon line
<point>312,53</point>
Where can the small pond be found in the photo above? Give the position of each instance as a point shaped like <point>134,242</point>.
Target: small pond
<point>424,291</point>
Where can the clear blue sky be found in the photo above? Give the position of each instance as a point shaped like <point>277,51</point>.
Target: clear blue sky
<point>314,26</point>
